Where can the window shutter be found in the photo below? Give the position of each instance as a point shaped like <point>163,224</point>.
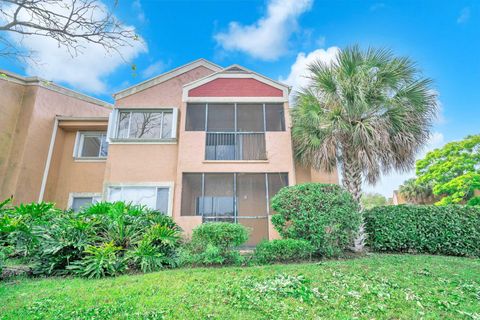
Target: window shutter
<point>174,123</point>
<point>112,125</point>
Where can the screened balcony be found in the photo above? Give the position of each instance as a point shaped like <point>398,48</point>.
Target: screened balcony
<point>235,131</point>
<point>235,146</point>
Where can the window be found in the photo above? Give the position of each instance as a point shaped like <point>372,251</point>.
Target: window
<point>195,120</point>
<point>83,201</point>
<point>156,198</point>
<point>240,117</point>
<point>145,125</point>
<point>91,145</point>
<point>275,118</point>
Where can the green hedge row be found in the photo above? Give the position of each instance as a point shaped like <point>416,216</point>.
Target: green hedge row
<point>449,230</point>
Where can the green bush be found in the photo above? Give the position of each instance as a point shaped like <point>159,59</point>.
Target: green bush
<point>474,202</point>
<point>283,250</point>
<point>100,261</point>
<point>449,230</point>
<point>59,242</point>
<point>214,244</point>
<point>224,235</point>
<point>323,214</point>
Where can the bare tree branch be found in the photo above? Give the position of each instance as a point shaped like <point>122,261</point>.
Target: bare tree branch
<point>72,23</point>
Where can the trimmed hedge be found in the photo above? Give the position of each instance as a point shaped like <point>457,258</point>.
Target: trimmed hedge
<point>448,230</point>
<point>325,215</point>
<point>283,250</point>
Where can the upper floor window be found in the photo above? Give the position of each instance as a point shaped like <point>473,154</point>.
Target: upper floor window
<point>91,145</point>
<point>235,117</point>
<point>151,124</point>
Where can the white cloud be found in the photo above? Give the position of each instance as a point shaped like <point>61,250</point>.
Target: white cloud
<point>267,38</point>
<point>464,15</point>
<point>86,71</point>
<point>137,7</point>
<point>298,71</point>
<point>388,183</point>
<point>154,69</point>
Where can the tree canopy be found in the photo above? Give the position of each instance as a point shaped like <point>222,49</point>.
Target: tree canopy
<point>453,170</point>
<point>372,200</point>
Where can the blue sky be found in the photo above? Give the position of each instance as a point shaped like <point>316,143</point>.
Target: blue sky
<point>278,37</point>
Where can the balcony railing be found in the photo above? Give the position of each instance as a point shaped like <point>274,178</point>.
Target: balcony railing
<point>235,146</point>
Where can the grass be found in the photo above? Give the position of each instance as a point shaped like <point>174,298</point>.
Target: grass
<point>374,287</point>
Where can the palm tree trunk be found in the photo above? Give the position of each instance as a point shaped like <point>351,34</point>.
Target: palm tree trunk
<point>352,181</point>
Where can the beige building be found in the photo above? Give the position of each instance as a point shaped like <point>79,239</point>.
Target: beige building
<point>200,143</point>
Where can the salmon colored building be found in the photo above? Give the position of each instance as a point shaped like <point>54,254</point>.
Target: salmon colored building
<point>200,143</point>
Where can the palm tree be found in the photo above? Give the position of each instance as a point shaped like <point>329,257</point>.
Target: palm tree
<point>368,112</point>
<point>415,192</point>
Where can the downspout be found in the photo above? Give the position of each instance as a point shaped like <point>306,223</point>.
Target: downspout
<point>49,160</point>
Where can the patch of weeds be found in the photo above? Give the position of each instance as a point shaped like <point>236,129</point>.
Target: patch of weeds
<point>281,294</point>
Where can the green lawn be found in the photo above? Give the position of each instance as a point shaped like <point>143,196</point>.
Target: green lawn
<point>376,287</point>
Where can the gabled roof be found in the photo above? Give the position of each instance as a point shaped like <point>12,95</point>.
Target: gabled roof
<point>166,76</point>
<point>235,71</point>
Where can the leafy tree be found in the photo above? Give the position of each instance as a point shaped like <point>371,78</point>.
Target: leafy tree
<point>414,192</point>
<point>371,200</point>
<point>453,170</point>
<point>367,111</point>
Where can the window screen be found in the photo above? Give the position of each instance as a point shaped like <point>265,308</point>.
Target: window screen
<point>221,117</point>
<point>252,195</point>
<point>218,200</point>
<point>276,181</point>
<point>250,118</point>
<point>275,117</point>
<point>191,194</point>
<point>195,120</point>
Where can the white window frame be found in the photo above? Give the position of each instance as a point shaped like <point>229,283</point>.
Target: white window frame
<point>114,126</point>
<point>93,195</point>
<point>169,185</point>
<point>79,140</point>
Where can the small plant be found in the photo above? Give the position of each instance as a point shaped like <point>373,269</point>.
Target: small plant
<point>157,249</point>
<point>214,244</point>
<point>224,235</point>
<point>283,250</point>
<point>323,214</point>
<point>100,261</point>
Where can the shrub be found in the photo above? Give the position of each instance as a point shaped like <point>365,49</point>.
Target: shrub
<point>224,235</point>
<point>323,214</point>
<point>214,243</point>
<point>100,261</point>
<point>63,242</point>
<point>283,250</point>
<point>158,248</point>
<point>449,230</point>
<point>474,202</point>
